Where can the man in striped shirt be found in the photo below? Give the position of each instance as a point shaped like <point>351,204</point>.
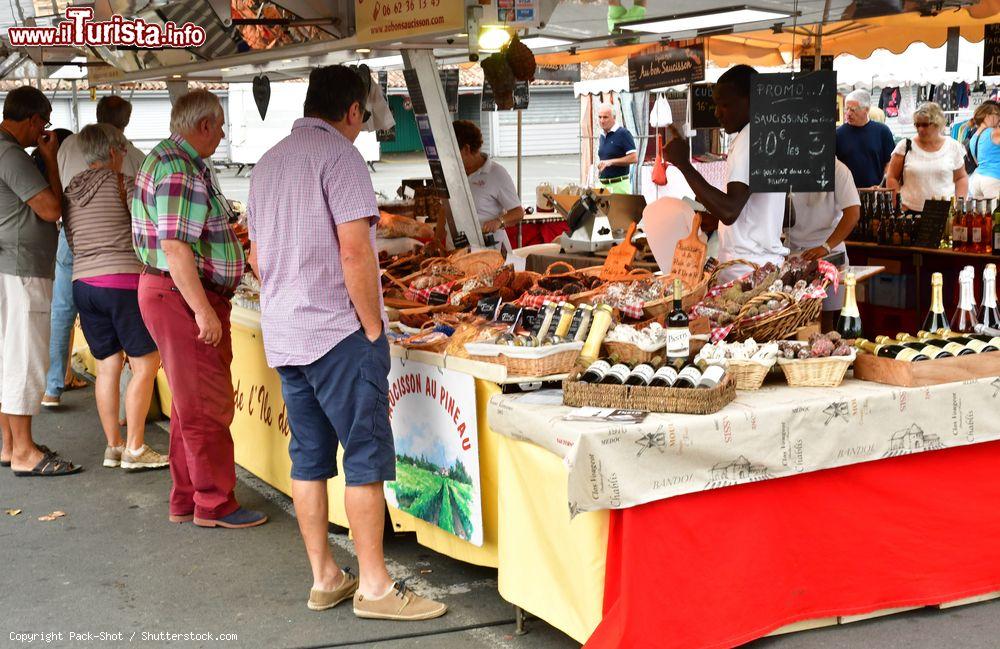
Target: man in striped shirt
<point>192,264</point>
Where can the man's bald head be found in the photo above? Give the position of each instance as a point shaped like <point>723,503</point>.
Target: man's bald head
<point>606,117</point>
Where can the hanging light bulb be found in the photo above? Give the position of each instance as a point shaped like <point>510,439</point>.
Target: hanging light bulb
<point>492,38</point>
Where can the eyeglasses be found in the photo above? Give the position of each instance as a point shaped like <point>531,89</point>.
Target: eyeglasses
<point>853,109</point>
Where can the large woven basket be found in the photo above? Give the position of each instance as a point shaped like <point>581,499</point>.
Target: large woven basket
<point>775,326</point>
<point>816,372</point>
<point>627,397</point>
<point>713,278</point>
<point>475,263</point>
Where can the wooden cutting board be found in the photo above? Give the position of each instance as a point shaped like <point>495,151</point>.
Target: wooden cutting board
<point>620,257</point>
<point>689,255</point>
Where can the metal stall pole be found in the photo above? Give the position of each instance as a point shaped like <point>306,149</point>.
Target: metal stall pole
<point>463,209</point>
<point>520,224</point>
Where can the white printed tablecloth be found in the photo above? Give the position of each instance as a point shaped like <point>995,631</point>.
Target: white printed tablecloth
<point>772,433</point>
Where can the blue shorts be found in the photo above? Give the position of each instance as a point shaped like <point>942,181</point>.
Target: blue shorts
<point>341,398</point>
<point>111,321</point>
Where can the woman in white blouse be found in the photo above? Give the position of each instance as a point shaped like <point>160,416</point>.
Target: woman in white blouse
<point>931,164</point>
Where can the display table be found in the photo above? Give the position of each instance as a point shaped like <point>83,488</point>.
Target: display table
<point>720,564</point>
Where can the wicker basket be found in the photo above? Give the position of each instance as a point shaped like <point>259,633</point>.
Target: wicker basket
<point>714,277</point>
<point>776,326</point>
<point>559,362</point>
<point>816,372</point>
<point>626,397</point>
<point>478,262</point>
<point>631,354</point>
<point>692,296</point>
<point>810,309</point>
<point>749,375</point>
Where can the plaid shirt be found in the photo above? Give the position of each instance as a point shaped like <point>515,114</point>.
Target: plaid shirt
<point>175,199</point>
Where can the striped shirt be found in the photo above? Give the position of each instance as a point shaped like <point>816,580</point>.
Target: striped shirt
<point>175,199</point>
<point>98,225</point>
<point>301,190</point>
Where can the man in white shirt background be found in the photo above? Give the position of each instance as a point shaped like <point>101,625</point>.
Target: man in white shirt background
<point>749,224</point>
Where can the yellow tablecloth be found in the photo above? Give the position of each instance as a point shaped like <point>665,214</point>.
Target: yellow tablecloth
<point>549,566</point>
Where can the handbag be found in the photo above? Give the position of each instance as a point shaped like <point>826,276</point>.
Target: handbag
<point>660,166</point>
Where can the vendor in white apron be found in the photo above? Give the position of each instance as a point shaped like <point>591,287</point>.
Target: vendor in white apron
<point>823,220</point>
<point>498,205</point>
<point>749,223</point>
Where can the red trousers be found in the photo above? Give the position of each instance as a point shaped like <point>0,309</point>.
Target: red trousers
<point>201,446</point>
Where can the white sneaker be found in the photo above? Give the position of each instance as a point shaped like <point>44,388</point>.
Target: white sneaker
<point>143,458</point>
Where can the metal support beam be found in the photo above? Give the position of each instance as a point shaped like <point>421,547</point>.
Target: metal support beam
<point>463,208</point>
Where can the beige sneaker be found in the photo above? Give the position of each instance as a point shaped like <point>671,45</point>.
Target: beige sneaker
<point>400,604</point>
<point>321,600</point>
<point>113,456</point>
<point>144,458</point>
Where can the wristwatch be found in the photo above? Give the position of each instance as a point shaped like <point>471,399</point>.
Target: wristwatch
<point>826,246</point>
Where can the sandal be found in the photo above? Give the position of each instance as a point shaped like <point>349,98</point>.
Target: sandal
<point>41,447</point>
<point>51,465</point>
<point>76,383</point>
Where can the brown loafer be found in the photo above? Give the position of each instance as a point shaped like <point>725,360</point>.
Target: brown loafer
<point>321,600</point>
<point>400,604</point>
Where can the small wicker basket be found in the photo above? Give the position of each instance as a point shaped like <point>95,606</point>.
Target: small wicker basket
<point>816,372</point>
<point>749,375</point>
<point>632,354</point>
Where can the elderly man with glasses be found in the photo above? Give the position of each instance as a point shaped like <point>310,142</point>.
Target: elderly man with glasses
<point>863,145</point>
<point>30,207</point>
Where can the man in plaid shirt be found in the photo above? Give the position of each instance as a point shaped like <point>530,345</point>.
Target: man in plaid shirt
<point>193,263</point>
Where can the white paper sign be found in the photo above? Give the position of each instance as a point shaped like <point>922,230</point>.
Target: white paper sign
<point>433,416</point>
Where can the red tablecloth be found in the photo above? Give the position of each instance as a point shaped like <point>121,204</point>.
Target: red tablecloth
<point>720,568</point>
<point>534,233</point>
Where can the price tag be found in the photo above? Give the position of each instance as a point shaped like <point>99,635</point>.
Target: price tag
<point>510,314</point>
<point>528,318</point>
<point>574,325</point>
<point>487,307</point>
<point>437,298</point>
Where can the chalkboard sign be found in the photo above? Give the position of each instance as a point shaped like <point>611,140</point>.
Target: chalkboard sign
<point>510,314</point>
<point>703,106</point>
<point>487,104</point>
<point>931,224</point>
<point>416,95</point>
<point>449,80</point>
<point>521,92</point>
<point>991,50</point>
<point>671,67</point>
<point>807,62</point>
<point>437,298</point>
<point>793,121</point>
<point>529,318</point>
<point>487,307</point>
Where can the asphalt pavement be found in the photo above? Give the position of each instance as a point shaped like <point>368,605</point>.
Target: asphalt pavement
<point>113,565</point>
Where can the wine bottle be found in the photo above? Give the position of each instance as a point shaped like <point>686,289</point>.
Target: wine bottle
<point>849,321</point>
<point>678,333</point>
<point>976,239</point>
<point>936,320</point>
<point>640,375</point>
<point>711,377</point>
<point>595,372</point>
<point>895,352</point>
<point>875,223</point>
<point>959,228</point>
<point>952,348</point>
<point>964,319</point>
<point>664,377</point>
<point>996,227</point>
<point>928,350</point>
<point>990,316</point>
<point>688,377</point>
<point>988,334</point>
<point>972,342</point>
<point>616,375</point>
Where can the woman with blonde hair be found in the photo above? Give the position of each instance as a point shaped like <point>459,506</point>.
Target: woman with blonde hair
<point>930,164</point>
<point>984,148</point>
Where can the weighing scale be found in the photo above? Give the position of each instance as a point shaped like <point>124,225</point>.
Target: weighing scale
<point>597,222</point>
